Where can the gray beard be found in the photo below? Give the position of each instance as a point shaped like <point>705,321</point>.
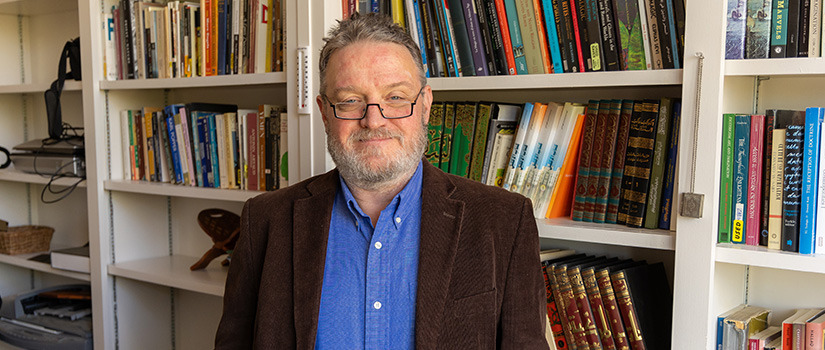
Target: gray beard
<point>355,170</point>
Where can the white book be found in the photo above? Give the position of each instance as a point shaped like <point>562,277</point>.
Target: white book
<point>498,160</point>
<point>531,143</point>
<point>521,136</point>
<point>220,134</point>
<point>544,148</point>
<point>815,29</point>
<point>236,36</point>
<point>126,144</point>
<point>549,175</point>
<point>182,154</point>
<point>645,35</point>
<point>109,57</point>
<point>72,259</point>
<point>260,36</point>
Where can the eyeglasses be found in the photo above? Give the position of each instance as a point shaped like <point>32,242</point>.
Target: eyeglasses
<point>390,109</point>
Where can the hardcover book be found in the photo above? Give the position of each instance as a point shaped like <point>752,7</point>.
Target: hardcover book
<point>614,316</point>
<point>463,132</point>
<point>580,33</point>
<point>434,130</point>
<point>644,297</point>
<point>792,187</point>
<point>552,36</point>
<point>629,29</point>
<point>665,218</point>
<point>506,42</point>
<point>447,137</point>
<point>594,49</point>
<point>597,148</point>
<point>585,154</point>
<point>502,116</point>
<point>615,191</point>
<point>496,38</point>
<point>735,32</point>
<point>555,320</point>
<point>757,33</point>
<point>476,41</point>
<point>779,29</point>
<point>608,158</point>
<point>753,230</point>
<point>483,114</point>
<point>657,170</point>
<point>640,148</point>
<point>740,178</point>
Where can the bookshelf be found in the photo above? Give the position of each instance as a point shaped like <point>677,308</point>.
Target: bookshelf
<point>144,236</point>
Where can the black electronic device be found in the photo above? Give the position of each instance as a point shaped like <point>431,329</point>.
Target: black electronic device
<point>54,318</point>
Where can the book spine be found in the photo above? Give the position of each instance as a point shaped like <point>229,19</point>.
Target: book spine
<point>461,37</point>
<point>447,137</point>
<point>657,170</point>
<point>599,312</point>
<point>610,42</point>
<point>638,165</point>
<point>819,237</point>
<point>629,29</point>
<point>262,115</point>
<point>173,144</point>
<point>628,311</point>
<point>529,36</point>
<point>428,44</point>
<point>283,152</point>
<point>753,231</point>
<point>567,40</point>
<point>726,178</point>
<point>767,168</point>
<point>591,333</point>
<point>672,48</point>
<point>793,27</point>
<point>475,38</point>
<point>574,319</point>
<point>757,33</point>
<point>815,29</point>
<point>447,43</point>
<point>553,312</point>
<point>586,148</point>
<point>149,146</point>
<point>462,139</point>
<point>776,187</point>
<point>479,143</point>
<point>615,191</point>
<point>810,179</point>
<point>611,126</point>
<point>594,34</point>
<point>814,336</point>
<point>506,41</point>
<point>670,170</point>
<point>579,32</point>
<point>779,29</point>
<point>596,156</point>
<point>212,146</point>
<point>792,187</point>
<point>740,178</point>
<point>487,38</point>
<point>803,28</point>
<point>205,151</point>
<point>252,155</point>
<point>614,317</point>
<point>646,35</point>
<point>648,11</point>
<point>497,38</point>
<point>567,328</point>
<point>419,26</point>
<point>273,124</point>
<point>546,58</point>
<point>563,178</point>
<point>513,22</point>
<point>434,130</point>
<point>552,37</point>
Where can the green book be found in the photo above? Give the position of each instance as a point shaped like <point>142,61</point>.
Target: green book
<point>657,171</point>
<point>463,131</point>
<point>447,136</point>
<point>726,179</point>
<point>434,129</point>
<point>483,113</point>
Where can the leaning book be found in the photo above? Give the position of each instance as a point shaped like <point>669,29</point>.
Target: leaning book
<point>72,259</point>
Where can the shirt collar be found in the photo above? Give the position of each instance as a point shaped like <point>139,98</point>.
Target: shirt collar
<point>403,202</point>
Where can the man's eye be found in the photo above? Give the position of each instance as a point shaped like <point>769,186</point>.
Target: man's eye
<point>396,98</point>
<point>350,101</point>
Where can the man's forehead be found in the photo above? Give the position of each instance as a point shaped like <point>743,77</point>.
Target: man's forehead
<point>381,87</point>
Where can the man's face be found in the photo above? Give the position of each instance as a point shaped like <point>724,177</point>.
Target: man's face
<point>375,151</point>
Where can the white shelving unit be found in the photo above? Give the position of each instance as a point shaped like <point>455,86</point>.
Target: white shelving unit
<point>173,271</point>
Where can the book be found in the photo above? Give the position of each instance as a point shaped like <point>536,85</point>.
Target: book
<point>457,22</point>
<point>742,325</point>
<point>720,324</point>
<point>800,324</point>
<point>575,319</point>
<point>629,29</point>
<point>615,191</point>
<point>810,179</point>
<point>598,304</point>
<point>753,230</point>
<point>503,116</point>
<point>611,125</point>
<point>614,316</point>
<point>506,41</point>
<point>644,297</point>
<point>814,329</point>
<point>553,119</point>
<point>530,147</point>
<point>735,30</point>
<point>640,148</point>
<point>556,337</point>
<point>589,19</point>
<point>561,307</point>
<point>479,146</point>
<point>740,177</point>
<point>518,144</point>
<point>787,328</point>
<point>589,322</point>
<point>447,136</point>
<point>597,149</point>
<point>763,337</point>
<point>475,39</point>
<point>776,186</point>
<point>72,259</point>
<point>529,36</point>
<point>657,170</point>
<point>548,174</point>
<point>792,45</point>
<point>585,156</point>
<point>671,168</point>
<point>434,133</point>
<point>488,45</point>
<point>819,239</point>
<point>610,41</point>
<point>497,42</point>
<point>560,200</point>
<point>654,41</point>
<point>463,132</point>
<point>646,35</point>
<point>567,38</point>
<point>513,23</point>
<point>579,34</point>
<point>792,187</point>
<point>758,28</point>
<point>779,29</point>
<point>552,36</point>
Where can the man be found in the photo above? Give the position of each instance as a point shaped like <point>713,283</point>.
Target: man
<point>385,251</point>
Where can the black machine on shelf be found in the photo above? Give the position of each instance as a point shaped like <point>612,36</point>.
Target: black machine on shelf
<point>54,318</point>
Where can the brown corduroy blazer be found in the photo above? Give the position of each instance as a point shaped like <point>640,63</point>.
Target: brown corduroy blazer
<point>479,277</point>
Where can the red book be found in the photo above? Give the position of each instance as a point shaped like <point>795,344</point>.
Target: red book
<point>553,313</point>
<point>596,159</point>
<point>505,37</point>
<point>252,152</point>
<point>597,307</point>
<point>614,317</point>
<point>576,35</point>
<point>754,209</point>
<point>591,333</point>
<point>814,334</point>
<point>571,310</point>
<point>628,311</point>
<point>611,128</point>
<point>585,154</point>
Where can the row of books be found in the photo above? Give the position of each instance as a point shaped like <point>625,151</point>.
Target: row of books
<point>206,145</point>
<point>185,39</point>
<point>501,37</point>
<point>747,327</point>
<point>610,161</point>
<point>773,29</point>
<point>771,188</point>
<point>605,303</point>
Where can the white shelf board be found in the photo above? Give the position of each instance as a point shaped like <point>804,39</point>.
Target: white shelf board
<point>560,81</point>
<point>17,176</point>
<point>196,82</point>
<point>37,88</point>
<point>22,260</point>
<point>741,254</point>
<point>172,190</point>
<point>36,7</point>
<point>775,67</point>
<point>567,229</point>
<point>173,271</point>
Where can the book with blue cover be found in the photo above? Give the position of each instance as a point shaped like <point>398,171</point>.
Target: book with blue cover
<point>810,179</point>
<point>552,37</point>
<point>741,147</point>
<point>735,31</point>
<point>515,36</point>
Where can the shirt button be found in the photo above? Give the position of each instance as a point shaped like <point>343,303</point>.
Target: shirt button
<point>378,245</point>
<point>377,305</point>
<point>398,220</point>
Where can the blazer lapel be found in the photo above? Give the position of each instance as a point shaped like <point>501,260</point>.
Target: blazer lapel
<point>440,226</point>
<point>309,245</point>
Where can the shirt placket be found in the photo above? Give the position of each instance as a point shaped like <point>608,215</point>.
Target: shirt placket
<point>378,279</point>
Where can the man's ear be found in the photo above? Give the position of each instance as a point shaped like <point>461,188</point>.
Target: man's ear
<point>426,103</point>
<point>321,106</point>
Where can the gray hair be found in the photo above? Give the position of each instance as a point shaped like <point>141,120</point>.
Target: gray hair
<point>367,27</point>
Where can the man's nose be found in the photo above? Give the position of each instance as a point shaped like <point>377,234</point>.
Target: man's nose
<point>373,117</point>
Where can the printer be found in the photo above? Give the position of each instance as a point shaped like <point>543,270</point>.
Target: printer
<point>53,318</point>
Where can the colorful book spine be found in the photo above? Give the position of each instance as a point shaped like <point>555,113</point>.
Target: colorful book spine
<point>628,311</point>
<point>577,34</point>
<point>735,31</point>
<point>629,29</point>
<point>496,39</point>
<point>594,46</point>
<point>657,170</point>
<point>574,319</point>
<point>638,165</point>
<point>552,37</point>
<point>538,18</point>
<point>553,312</point>
<point>669,30</point>
<point>585,155</point>
<point>463,131</point>
<point>475,38</point>
<point>518,145</point>
<point>213,151</point>
<point>506,41</point>
<point>776,187</point>
<point>564,28</point>
<point>563,189</point>
<point>615,191</point>
<point>757,33</point>
<point>779,29</point>
<point>529,36</point>
<point>591,333</point>
<point>752,230</point>
<point>175,151</point>
<point>434,130</point>
<point>792,187</point>
<point>447,137</point>
<point>600,316</point>
<point>670,170</point>
<point>487,39</point>
<point>596,156</point>
<point>479,146</point>
<point>614,110</point>
<point>810,179</point>
<point>532,143</point>
<point>515,36</point>
<point>740,177</point>
<point>560,306</point>
<point>614,316</point>
<point>610,43</point>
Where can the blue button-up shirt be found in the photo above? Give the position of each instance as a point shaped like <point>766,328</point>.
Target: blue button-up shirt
<point>370,273</point>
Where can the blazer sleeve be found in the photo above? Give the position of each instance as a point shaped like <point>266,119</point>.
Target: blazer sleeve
<point>523,306</point>
<point>237,325</point>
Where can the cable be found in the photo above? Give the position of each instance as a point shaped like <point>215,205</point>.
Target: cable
<point>74,137</point>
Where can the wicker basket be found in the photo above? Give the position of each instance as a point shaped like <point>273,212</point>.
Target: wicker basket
<point>25,239</point>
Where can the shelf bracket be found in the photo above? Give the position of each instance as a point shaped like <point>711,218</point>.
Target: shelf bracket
<point>304,81</point>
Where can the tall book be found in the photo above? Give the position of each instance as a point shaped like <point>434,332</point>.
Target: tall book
<point>753,230</point>
<point>518,144</point>
<point>585,155</point>
<point>563,189</point>
<point>513,23</point>
<point>644,297</point>
<point>447,137</point>
<point>611,125</point>
<point>776,187</point>
<point>506,41</point>
<point>567,37</point>
<point>530,36</point>
<point>779,29</point>
<point>549,174</point>
<point>791,47</point>
<point>434,133</point>
<point>497,37</point>
<point>657,170</point>
<point>615,191</point>
<point>614,316</point>
<point>495,64</point>
<point>447,43</point>
<point>588,315</point>
<point>475,39</point>
<point>482,119</point>
<point>555,322</point>
<point>463,132</point>
<point>655,41</point>
<point>810,179</point>
<point>590,16</point>
<point>540,162</point>
<point>552,36</point>
<point>597,149</point>
<point>735,30</point>
<point>579,34</point>
<point>629,29</point>
<point>526,154</point>
<point>639,161</point>
<point>610,41</point>
<point>741,135</point>
<point>757,33</point>
<point>671,168</point>
<point>792,187</point>
<point>462,39</point>
<point>500,134</point>
<point>429,45</point>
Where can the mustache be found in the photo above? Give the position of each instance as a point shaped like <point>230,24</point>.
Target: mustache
<point>368,134</point>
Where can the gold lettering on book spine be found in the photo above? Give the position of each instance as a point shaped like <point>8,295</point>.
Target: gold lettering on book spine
<point>580,294</point>
<point>606,289</point>
<point>623,297</point>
